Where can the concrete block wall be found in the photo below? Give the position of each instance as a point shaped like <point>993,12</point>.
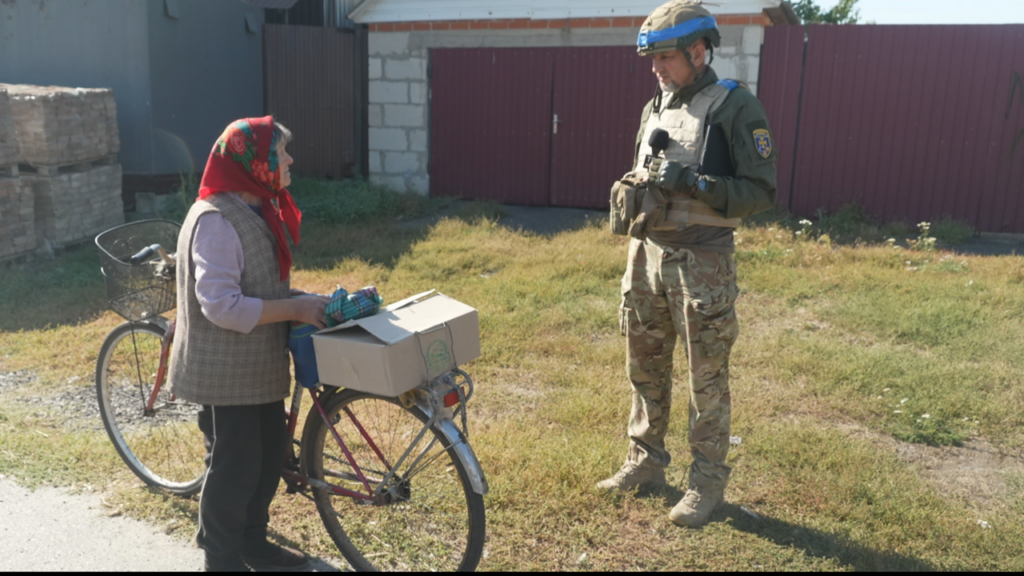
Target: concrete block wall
<point>75,206</point>
<point>399,89</point>
<point>59,178</point>
<point>17,213</point>
<point>17,218</point>
<point>9,149</point>
<point>58,125</point>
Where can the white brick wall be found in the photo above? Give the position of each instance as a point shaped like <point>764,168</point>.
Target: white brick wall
<point>388,92</point>
<point>401,162</point>
<point>405,115</point>
<point>388,139</point>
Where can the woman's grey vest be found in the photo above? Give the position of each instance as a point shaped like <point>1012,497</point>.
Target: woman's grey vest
<point>215,366</point>
<point>686,127</point>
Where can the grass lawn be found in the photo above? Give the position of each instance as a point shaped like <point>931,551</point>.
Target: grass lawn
<point>877,397</point>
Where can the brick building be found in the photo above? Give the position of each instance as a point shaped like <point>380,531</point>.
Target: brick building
<point>410,40</point>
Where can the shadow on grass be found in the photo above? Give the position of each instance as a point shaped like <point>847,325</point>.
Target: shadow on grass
<point>325,246</point>
<point>814,543</point>
<point>818,544</point>
<point>188,507</point>
<point>315,564</point>
<point>64,291</point>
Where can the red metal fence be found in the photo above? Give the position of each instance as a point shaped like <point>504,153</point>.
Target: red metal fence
<point>914,123</point>
<point>308,86</point>
<point>493,128</point>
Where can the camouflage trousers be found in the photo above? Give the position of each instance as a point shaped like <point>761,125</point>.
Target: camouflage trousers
<point>669,291</point>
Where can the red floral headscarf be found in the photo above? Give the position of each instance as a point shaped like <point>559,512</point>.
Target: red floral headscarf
<point>244,159</point>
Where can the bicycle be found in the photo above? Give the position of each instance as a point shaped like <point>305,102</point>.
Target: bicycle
<point>405,492</point>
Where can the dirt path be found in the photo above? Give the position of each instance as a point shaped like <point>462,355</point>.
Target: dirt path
<point>51,530</point>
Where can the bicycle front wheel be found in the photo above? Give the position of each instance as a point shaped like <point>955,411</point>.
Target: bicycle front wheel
<point>163,446</point>
<point>427,518</point>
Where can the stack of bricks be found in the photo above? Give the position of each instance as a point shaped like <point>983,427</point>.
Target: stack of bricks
<point>17,214</point>
<point>69,142</point>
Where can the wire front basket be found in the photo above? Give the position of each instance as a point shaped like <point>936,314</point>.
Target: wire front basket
<point>144,290</point>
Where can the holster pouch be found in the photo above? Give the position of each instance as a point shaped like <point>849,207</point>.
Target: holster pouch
<point>626,198</point>
<point>636,207</point>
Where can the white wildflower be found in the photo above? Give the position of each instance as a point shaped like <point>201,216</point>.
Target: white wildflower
<point>926,416</point>
<point>984,525</point>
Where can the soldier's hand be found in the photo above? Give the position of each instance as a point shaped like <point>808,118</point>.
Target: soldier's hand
<point>675,177</point>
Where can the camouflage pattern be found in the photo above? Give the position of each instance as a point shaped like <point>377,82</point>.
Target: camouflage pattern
<point>669,291</point>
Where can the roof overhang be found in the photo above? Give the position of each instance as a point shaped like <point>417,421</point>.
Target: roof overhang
<point>376,11</point>
<point>782,15</point>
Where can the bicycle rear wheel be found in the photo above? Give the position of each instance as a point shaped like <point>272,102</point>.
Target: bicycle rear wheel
<point>429,518</point>
<point>164,446</point>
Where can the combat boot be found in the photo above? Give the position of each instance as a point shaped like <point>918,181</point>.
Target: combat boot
<point>631,476</point>
<point>696,506</point>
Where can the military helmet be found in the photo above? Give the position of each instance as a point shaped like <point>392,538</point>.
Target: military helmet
<point>676,24</point>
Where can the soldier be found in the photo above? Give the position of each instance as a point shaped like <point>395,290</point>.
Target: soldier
<point>718,165</point>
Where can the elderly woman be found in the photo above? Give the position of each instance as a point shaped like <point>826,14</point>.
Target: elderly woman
<point>230,350</point>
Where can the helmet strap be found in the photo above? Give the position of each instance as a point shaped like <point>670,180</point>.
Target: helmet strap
<point>697,75</point>
<point>689,60</point>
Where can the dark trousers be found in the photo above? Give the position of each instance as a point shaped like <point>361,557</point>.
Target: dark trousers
<point>245,450</point>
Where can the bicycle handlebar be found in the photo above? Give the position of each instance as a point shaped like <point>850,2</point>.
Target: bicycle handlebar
<point>144,254</point>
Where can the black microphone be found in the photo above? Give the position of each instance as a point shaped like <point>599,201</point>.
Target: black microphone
<point>659,142</point>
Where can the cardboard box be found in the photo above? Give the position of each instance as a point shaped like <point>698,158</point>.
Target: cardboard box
<point>403,346</point>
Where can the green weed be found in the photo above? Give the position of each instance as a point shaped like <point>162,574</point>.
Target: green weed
<point>952,232</point>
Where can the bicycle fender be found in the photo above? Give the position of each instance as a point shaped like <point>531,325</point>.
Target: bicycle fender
<point>465,454</point>
<point>159,321</point>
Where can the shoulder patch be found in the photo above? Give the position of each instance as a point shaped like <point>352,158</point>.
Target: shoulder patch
<point>763,142</point>
<point>758,130</point>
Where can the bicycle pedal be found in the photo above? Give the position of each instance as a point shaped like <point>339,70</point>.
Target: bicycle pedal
<point>292,488</point>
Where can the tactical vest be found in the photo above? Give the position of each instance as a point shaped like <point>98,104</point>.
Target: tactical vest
<point>220,367</point>
<point>687,130</point>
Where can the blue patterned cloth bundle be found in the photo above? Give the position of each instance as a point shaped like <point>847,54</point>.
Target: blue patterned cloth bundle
<point>344,306</point>
<point>341,308</point>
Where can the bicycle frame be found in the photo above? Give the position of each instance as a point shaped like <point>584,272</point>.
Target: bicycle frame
<point>433,405</point>
<point>161,373</point>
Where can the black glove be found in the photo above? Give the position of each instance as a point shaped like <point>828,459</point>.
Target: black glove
<point>675,177</point>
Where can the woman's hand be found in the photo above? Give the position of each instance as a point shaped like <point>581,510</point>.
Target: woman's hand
<point>309,308</point>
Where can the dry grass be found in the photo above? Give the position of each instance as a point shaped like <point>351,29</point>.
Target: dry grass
<point>833,338</point>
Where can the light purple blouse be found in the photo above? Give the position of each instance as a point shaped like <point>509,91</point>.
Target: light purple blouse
<point>217,253</point>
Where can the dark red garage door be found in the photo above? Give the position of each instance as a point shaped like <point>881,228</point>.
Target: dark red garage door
<point>535,126</point>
